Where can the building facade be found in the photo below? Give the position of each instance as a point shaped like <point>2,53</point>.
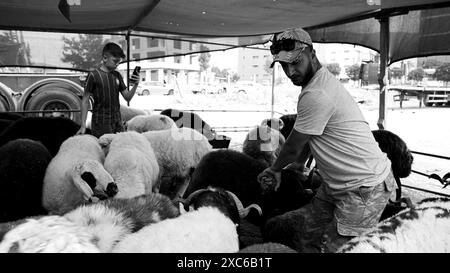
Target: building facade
<point>181,70</point>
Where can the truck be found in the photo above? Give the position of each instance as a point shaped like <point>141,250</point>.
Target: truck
<point>42,94</point>
<point>428,95</point>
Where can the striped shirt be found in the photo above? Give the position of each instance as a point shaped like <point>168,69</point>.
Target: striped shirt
<point>105,88</point>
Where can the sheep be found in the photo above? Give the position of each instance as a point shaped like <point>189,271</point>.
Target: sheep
<point>190,120</point>
<point>76,175</point>
<point>194,121</point>
<point>178,151</point>
<point>103,223</point>
<point>144,123</point>
<point>237,172</point>
<point>263,143</point>
<point>267,248</point>
<point>284,124</point>
<point>131,162</point>
<point>50,131</point>
<point>109,221</point>
<point>424,228</point>
<point>22,168</point>
<point>128,113</point>
<point>48,234</point>
<point>210,227</point>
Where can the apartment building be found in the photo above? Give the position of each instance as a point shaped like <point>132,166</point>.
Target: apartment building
<point>181,70</point>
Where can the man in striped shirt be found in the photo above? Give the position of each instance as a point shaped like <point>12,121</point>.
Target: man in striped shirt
<point>104,85</point>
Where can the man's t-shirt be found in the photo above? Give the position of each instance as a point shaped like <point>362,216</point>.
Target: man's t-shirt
<point>105,88</point>
<point>342,143</point>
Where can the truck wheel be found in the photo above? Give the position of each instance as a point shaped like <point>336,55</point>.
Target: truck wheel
<point>56,98</point>
<point>170,92</point>
<point>145,92</point>
<point>6,99</point>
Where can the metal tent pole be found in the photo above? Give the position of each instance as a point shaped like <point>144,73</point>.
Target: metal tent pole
<point>128,62</point>
<point>383,77</point>
<point>272,101</point>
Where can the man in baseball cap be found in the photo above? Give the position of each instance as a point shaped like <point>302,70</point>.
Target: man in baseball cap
<point>357,180</point>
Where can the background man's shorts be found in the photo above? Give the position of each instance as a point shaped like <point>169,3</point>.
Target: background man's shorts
<point>108,128</point>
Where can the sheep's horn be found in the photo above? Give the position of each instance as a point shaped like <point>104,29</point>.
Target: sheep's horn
<point>187,201</point>
<point>243,212</point>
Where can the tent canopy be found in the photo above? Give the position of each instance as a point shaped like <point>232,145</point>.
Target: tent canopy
<point>419,27</point>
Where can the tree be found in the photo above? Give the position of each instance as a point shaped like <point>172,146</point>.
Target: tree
<point>431,63</point>
<point>416,75</point>
<point>234,77</point>
<point>395,72</point>
<point>443,73</point>
<point>204,57</point>
<point>334,68</point>
<point>14,51</point>
<point>83,52</point>
<point>353,72</point>
<point>220,73</point>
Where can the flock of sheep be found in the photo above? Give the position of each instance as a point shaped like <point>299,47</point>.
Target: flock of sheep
<point>161,187</point>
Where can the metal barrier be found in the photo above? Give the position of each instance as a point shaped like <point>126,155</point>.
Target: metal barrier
<point>445,180</point>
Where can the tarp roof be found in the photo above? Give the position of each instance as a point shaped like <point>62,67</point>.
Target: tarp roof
<point>425,30</point>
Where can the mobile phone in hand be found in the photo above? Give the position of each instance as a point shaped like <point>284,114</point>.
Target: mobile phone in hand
<point>136,71</point>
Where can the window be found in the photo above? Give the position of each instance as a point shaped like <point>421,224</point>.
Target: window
<point>255,57</point>
<point>155,54</point>
<point>152,42</point>
<point>136,43</point>
<point>123,44</point>
<point>177,44</point>
<point>177,59</point>
<point>191,46</point>
<point>136,56</point>
<point>192,58</point>
<point>154,75</point>
<point>255,65</point>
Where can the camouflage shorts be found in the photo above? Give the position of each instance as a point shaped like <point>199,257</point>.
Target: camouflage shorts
<point>333,217</point>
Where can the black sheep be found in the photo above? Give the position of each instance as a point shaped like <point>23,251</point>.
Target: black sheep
<point>237,172</point>
<point>194,121</point>
<point>50,131</point>
<point>23,164</point>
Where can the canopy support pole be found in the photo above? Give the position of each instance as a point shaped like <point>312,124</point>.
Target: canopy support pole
<point>383,77</point>
<point>272,100</point>
<point>127,37</point>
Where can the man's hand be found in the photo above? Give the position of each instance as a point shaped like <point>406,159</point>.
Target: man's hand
<point>135,79</point>
<point>269,180</point>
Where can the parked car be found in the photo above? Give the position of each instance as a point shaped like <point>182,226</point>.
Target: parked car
<point>198,88</point>
<point>245,87</point>
<point>154,88</point>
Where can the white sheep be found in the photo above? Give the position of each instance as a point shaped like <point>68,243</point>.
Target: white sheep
<point>131,162</point>
<point>178,151</point>
<point>210,228</point>
<point>425,228</point>
<point>94,227</point>
<point>49,234</point>
<point>144,123</point>
<point>76,175</point>
<point>263,143</point>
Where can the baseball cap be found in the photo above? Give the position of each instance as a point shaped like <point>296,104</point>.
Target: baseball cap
<point>287,45</point>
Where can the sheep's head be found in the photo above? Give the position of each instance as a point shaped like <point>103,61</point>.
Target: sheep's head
<point>93,181</point>
<point>226,201</point>
<point>274,123</point>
